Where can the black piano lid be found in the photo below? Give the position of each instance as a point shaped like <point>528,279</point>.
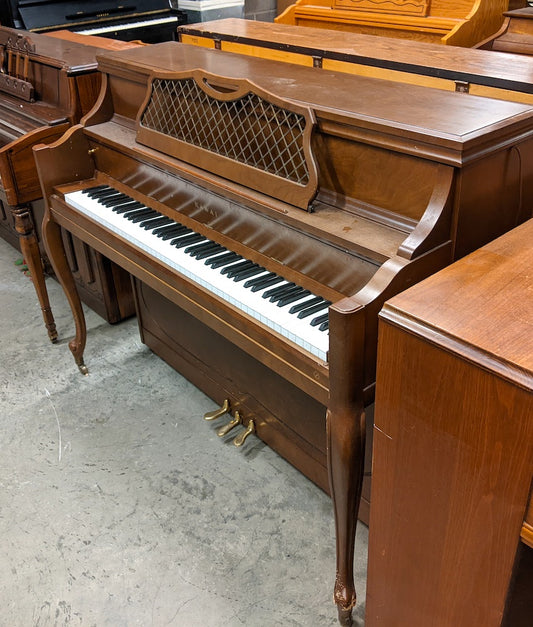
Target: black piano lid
<point>37,15</point>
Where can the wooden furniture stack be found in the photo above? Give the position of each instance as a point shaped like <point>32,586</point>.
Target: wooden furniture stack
<point>451,539</point>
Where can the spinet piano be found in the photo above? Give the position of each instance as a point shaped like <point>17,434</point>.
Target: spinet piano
<point>46,85</point>
<point>147,20</point>
<point>276,208</point>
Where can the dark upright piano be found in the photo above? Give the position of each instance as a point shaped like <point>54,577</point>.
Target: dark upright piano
<point>274,209</point>
<point>147,20</point>
<point>46,85</point>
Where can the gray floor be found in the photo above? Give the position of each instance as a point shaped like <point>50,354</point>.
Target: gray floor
<point>120,506</point>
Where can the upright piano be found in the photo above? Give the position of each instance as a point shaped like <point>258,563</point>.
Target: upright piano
<point>458,23</point>
<point>270,211</point>
<point>515,34</point>
<point>146,20</point>
<point>46,85</point>
<point>451,68</point>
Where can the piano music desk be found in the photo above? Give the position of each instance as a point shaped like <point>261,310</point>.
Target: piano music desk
<point>453,445</point>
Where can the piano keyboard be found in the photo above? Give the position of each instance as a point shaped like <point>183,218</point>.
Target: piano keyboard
<point>281,305</point>
<point>100,30</point>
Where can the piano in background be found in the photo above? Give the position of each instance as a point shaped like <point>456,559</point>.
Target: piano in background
<point>458,23</point>
<point>215,178</point>
<point>451,68</point>
<point>515,35</point>
<point>148,21</point>
<point>46,85</point>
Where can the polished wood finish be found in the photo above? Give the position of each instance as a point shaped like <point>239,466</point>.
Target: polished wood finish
<point>453,444</point>
<point>451,68</point>
<point>401,191</point>
<point>62,78</point>
<point>457,22</point>
<point>515,34</point>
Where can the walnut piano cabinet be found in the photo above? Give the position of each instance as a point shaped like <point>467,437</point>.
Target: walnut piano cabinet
<point>351,188</point>
<point>457,23</point>
<point>453,446</point>
<point>46,85</point>
<point>451,68</point>
<point>515,35</point>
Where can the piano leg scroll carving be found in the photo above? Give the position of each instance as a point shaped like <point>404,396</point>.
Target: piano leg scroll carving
<point>54,244</point>
<point>30,251</point>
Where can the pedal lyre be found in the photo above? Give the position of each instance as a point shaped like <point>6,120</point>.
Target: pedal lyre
<point>236,420</point>
<point>241,438</point>
<point>216,413</point>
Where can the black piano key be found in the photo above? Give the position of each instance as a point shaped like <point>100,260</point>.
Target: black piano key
<point>138,213</point>
<point>128,206</point>
<point>141,218</point>
<point>234,269</point>
<point>308,303</point>
<point>259,279</point>
<point>104,193</point>
<point>324,326</point>
<point>198,248</point>
<point>285,292</point>
<point>152,223</point>
<point>245,274</point>
<point>287,300</point>
<point>315,322</point>
<point>114,200</point>
<point>96,188</point>
<point>309,311</point>
<point>278,290</point>
<point>210,253</point>
<point>222,260</point>
<point>173,232</point>
<point>180,242</point>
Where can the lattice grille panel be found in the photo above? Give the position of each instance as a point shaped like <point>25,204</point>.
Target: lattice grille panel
<point>249,129</point>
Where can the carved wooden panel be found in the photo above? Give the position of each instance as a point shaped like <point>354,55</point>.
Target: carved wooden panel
<point>233,129</point>
<point>401,7</point>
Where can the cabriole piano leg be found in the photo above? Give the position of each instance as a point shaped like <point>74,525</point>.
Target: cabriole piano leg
<point>30,250</point>
<point>56,253</point>
<point>346,442</point>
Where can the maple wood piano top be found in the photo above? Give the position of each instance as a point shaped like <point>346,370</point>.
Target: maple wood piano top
<point>448,127</point>
<point>493,69</point>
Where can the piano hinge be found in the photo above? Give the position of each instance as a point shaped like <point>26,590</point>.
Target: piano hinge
<point>462,87</point>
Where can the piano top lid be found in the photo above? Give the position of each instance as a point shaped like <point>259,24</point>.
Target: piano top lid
<point>484,67</point>
<point>481,306</point>
<point>74,58</point>
<point>44,14</point>
<point>449,127</point>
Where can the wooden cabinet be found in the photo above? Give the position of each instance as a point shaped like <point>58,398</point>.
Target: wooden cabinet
<point>453,446</point>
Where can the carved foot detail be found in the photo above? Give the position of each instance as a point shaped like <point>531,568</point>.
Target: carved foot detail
<point>345,616</point>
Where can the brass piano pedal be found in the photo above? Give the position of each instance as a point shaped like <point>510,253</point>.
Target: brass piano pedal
<point>237,420</point>
<point>241,438</point>
<point>213,415</point>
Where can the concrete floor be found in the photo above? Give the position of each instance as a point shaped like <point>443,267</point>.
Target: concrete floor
<point>120,506</point>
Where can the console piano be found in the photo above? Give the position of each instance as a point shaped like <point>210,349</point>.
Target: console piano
<point>515,34</point>
<point>451,68</point>
<point>275,209</point>
<point>46,85</point>
<point>450,538</point>
<point>147,20</point>
<point>458,23</point>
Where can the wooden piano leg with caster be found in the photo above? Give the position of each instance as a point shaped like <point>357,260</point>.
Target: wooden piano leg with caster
<point>30,250</point>
<point>345,420</point>
<point>56,253</point>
